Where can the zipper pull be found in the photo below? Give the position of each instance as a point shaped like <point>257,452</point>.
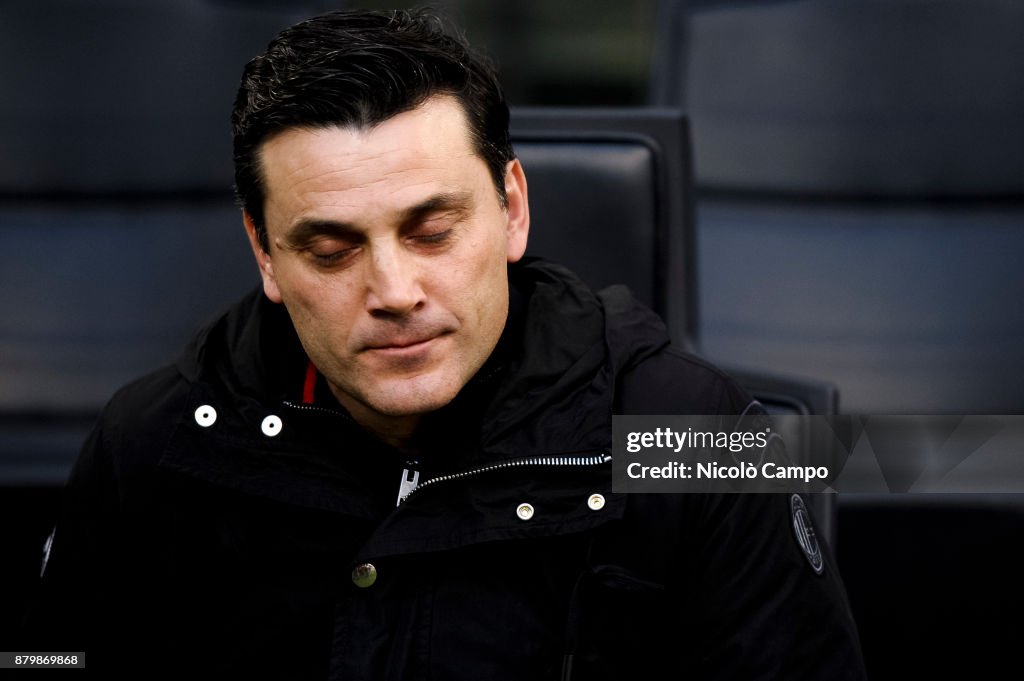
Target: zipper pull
<point>410,480</point>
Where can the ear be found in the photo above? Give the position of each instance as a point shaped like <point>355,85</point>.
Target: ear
<point>262,260</point>
<point>518,211</point>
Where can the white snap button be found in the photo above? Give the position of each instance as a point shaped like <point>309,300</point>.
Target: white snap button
<point>524,511</point>
<point>271,425</point>
<point>596,502</point>
<point>206,416</point>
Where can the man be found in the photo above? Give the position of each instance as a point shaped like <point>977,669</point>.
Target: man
<point>392,461</point>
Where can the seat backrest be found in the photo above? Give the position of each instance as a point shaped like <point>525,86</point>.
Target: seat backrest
<point>111,97</point>
<point>832,97</point>
<point>609,198</point>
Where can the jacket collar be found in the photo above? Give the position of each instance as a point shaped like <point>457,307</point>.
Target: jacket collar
<point>547,390</point>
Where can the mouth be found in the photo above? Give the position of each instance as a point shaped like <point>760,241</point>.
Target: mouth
<point>405,348</point>
<point>403,355</point>
<point>398,344</point>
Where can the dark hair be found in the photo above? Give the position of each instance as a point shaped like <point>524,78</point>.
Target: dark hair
<point>355,68</point>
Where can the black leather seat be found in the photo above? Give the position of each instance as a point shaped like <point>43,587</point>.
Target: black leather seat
<point>609,198</point>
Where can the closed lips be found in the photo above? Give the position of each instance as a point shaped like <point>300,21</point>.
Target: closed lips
<point>399,342</point>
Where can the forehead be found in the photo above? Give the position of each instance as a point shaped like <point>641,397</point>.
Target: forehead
<point>411,154</point>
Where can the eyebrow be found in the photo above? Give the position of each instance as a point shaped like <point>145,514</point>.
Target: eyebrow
<point>307,229</point>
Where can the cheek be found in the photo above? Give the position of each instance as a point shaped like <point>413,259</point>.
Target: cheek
<point>482,279</point>
<point>315,302</point>
<point>487,294</point>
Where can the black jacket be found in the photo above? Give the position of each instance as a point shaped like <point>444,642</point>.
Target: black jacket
<point>227,515</point>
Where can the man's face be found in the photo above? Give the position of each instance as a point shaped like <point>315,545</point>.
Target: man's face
<point>389,247</point>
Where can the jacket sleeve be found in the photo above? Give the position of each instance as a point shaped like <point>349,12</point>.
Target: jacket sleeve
<point>71,608</point>
<point>766,609</point>
<point>748,600</point>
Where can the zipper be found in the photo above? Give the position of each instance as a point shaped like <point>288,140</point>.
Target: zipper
<point>321,410</point>
<point>559,461</point>
<point>410,481</point>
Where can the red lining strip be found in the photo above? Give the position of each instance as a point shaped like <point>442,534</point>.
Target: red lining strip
<point>309,386</point>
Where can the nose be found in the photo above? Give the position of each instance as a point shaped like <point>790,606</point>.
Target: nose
<point>393,287</point>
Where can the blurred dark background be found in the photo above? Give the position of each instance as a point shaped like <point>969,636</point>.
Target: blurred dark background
<point>858,186</point>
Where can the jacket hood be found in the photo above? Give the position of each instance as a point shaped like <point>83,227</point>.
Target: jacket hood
<point>548,388</point>
<point>558,394</point>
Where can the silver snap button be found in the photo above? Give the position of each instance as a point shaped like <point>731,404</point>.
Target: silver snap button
<point>524,511</point>
<point>206,416</point>
<point>271,426</point>
<point>596,502</point>
<point>364,575</point>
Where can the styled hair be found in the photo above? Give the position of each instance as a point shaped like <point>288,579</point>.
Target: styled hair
<point>358,69</point>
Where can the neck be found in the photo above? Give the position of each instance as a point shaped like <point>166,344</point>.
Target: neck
<point>396,431</point>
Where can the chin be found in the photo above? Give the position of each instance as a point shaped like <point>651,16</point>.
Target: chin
<point>413,397</point>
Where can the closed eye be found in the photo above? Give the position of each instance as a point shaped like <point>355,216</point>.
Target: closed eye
<point>434,239</point>
<point>324,258</point>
